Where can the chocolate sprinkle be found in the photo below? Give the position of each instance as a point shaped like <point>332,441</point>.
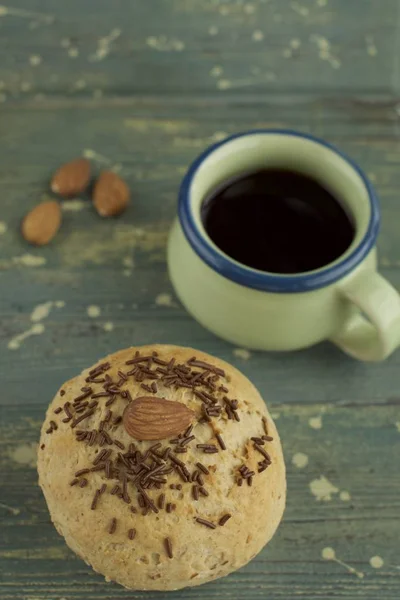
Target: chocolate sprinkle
<point>203,365</point>
<point>258,440</point>
<point>82,418</point>
<point>113,526</point>
<point>82,472</point>
<point>224,519</point>
<point>205,522</point>
<point>206,447</point>
<point>202,468</point>
<point>220,441</point>
<point>263,452</point>
<point>131,534</point>
<point>168,547</point>
<point>95,499</point>
<point>119,444</point>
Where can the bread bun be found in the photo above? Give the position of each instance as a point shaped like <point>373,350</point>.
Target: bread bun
<point>162,515</point>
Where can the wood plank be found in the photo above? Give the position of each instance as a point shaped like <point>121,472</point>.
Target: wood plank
<point>198,46</point>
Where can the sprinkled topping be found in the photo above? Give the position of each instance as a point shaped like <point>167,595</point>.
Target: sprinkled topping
<point>137,475</point>
<point>205,523</point>
<point>168,547</point>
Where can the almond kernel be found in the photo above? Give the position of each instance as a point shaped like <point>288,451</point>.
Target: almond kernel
<point>72,178</point>
<point>111,194</point>
<point>41,224</point>
<point>152,418</point>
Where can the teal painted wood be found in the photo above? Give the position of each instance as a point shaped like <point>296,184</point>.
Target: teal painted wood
<point>180,75</point>
<point>199,47</point>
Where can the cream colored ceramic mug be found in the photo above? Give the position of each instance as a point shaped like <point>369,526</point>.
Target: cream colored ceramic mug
<point>346,301</point>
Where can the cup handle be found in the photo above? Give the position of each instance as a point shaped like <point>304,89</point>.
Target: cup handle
<point>374,333</point>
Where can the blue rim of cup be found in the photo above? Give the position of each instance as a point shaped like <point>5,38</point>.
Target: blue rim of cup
<point>260,280</point>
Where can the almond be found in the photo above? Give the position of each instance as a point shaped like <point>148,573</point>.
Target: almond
<point>111,194</point>
<point>150,418</point>
<point>42,223</point>
<point>72,178</point>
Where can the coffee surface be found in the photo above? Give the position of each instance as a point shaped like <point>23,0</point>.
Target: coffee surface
<point>278,221</point>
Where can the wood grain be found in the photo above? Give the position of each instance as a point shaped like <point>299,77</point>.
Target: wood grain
<point>171,77</point>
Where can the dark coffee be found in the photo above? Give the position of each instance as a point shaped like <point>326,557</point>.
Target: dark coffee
<point>277,220</point>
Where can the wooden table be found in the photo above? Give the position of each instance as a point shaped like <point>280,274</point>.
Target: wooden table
<point>143,86</point>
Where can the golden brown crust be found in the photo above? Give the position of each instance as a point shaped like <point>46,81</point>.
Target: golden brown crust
<point>200,554</point>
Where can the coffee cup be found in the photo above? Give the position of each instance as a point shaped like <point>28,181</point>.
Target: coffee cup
<point>346,301</point>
